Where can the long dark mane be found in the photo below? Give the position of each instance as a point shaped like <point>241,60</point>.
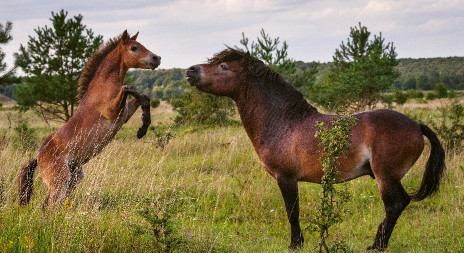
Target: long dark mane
<point>269,82</point>
<point>92,64</point>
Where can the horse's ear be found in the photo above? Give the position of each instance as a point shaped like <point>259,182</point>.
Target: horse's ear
<point>124,36</point>
<point>135,36</point>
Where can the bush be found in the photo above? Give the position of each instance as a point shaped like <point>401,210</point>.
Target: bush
<point>387,99</point>
<point>196,107</point>
<point>25,137</point>
<point>154,102</point>
<point>335,140</point>
<point>448,125</point>
<point>400,97</point>
<point>431,95</point>
<point>452,94</point>
<point>163,135</point>
<point>414,94</point>
<point>441,90</point>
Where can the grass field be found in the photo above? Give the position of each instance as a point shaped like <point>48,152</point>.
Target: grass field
<point>205,191</point>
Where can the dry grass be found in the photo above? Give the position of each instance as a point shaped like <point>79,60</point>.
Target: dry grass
<point>210,187</point>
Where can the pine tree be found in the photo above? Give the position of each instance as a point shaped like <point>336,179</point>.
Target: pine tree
<point>267,49</point>
<point>52,63</point>
<point>6,76</point>
<point>362,68</point>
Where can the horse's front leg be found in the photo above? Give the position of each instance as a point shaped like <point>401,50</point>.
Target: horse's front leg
<point>116,106</point>
<point>289,190</point>
<point>142,100</point>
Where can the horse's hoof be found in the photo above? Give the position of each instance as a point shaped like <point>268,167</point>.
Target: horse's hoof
<point>141,132</point>
<point>295,245</point>
<point>375,248</point>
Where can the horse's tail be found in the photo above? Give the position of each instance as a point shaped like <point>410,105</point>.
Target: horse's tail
<point>434,168</point>
<point>25,181</point>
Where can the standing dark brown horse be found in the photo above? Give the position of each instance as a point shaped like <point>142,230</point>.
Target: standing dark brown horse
<point>102,111</point>
<point>281,125</point>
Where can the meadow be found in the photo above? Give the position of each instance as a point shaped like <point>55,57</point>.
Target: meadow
<point>197,189</point>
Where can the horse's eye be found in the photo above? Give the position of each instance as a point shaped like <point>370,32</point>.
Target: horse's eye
<point>224,67</point>
<point>133,48</point>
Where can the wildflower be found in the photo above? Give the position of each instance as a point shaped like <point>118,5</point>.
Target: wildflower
<point>190,234</point>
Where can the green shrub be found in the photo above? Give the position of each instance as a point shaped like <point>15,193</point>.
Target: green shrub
<point>154,102</point>
<point>441,91</point>
<point>25,137</point>
<point>452,94</point>
<point>196,107</point>
<point>387,99</point>
<point>163,136</point>
<point>431,95</point>
<point>448,124</point>
<point>335,140</point>
<point>414,94</point>
<point>400,97</point>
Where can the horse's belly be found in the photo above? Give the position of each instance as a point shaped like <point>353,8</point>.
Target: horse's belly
<point>353,165</point>
<point>91,141</point>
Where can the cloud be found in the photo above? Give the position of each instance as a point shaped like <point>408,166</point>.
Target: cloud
<point>188,32</point>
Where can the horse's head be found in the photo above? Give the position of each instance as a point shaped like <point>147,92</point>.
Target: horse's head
<point>223,75</point>
<point>135,55</point>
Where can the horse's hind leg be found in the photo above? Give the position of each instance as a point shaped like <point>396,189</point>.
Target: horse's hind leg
<point>77,174</point>
<point>395,200</point>
<point>57,192</point>
<point>57,177</point>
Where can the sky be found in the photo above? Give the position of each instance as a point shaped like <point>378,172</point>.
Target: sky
<point>188,32</point>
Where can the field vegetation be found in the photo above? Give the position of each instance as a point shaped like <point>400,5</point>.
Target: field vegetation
<point>202,189</point>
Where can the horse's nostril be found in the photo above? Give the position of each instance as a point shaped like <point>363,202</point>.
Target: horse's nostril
<point>194,68</point>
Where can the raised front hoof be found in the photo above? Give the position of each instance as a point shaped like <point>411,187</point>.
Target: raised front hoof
<point>141,132</point>
<point>128,88</point>
<point>376,248</point>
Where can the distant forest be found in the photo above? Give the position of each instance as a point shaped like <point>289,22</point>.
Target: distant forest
<point>415,74</point>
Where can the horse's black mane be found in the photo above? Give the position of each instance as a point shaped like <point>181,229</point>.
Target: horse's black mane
<point>258,73</point>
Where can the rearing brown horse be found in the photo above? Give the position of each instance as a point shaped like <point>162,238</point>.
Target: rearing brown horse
<point>102,111</point>
<point>281,125</point>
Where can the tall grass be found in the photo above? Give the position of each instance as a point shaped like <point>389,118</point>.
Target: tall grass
<point>204,191</point>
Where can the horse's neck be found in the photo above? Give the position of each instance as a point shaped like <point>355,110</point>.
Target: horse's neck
<point>264,115</point>
<point>110,75</point>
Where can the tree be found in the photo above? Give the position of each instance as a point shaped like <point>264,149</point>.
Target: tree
<point>6,76</point>
<point>423,82</point>
<point>361,69</point>
<point>441,90</point>
<point>410,84</point>
<point>267,49</point>
<point>52,63</point>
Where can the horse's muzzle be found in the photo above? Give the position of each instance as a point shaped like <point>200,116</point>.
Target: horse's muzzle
<point>154,61</point>
<point>192,75</point>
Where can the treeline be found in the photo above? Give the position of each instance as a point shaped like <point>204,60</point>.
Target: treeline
<point>159,84</point>
<point>415,74</point>
<point>425,74</point>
